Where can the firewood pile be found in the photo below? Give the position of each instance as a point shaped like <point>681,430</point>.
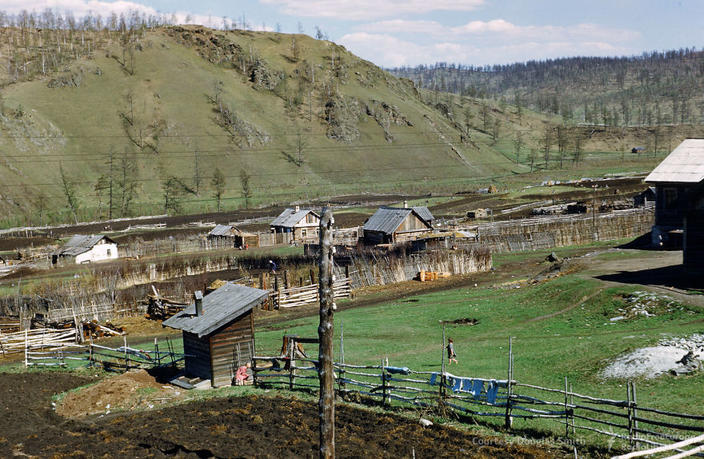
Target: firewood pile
<point>160,307</point>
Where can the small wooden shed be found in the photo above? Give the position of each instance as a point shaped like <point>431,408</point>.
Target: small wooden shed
<point>390,225</point>
<point>302,224</point>
<point>231,236</point>
<point>218,332</point>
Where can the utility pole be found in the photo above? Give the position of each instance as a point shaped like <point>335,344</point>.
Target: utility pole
<point>595,236</point>
<point>326,404</point>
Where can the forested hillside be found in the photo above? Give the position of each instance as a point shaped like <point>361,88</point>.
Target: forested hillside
<point>655,88</point>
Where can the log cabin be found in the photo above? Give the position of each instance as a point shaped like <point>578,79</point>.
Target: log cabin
<point>218,332</point>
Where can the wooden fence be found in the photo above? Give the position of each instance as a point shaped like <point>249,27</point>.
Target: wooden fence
<point>39,350</point>
<point>630,423</point>
<point>300,296</point>
<point>14,343</point>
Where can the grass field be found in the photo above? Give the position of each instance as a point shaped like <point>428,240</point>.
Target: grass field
<point>574,338</point>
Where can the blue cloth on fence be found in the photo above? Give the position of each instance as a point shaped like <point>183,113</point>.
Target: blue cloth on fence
<point>491,391</point>
<point>456,384</point>
<point>433,378</point>
<point>477,388</point>
<point>467,385</point>
<point>398,370</point>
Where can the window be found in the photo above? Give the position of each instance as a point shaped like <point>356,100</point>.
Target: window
<point>109,253</point>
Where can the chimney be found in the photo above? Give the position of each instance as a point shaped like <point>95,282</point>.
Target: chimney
<point>199,302</point>
<point>405,204</point>
<point>298,208</point>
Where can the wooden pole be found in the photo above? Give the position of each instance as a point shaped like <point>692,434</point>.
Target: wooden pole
<point>635,413</point>
<point>630,415</point>
<point>443,378</point>
<point>127,361</point>
<point>383,384</point>
<point>567,417</point>
<point>508,421</point>
<point>326,404</point>
<point>342,355</point>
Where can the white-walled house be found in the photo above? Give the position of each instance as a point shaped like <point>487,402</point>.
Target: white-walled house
<point>86,249</point>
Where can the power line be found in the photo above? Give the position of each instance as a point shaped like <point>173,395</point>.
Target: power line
<point>282,174</point>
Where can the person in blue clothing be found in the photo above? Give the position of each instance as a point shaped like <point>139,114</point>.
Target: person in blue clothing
<point>272,265</point>
<point>451,356</point>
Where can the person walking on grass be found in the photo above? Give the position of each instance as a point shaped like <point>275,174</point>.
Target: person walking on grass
<point>451,356</point>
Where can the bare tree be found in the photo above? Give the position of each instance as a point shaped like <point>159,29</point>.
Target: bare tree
<point>69,193</point>
<point>518,144</point>
<point>218,183</point>
<point>246,188</point>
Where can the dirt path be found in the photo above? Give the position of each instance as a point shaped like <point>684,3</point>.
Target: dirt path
<point>657,271</point>
<point>583,300</point>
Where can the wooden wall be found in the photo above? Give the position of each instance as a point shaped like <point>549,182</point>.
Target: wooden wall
<point>224,348</point>
<point>199,348</point>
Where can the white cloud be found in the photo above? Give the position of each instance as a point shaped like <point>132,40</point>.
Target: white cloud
<point>106,8</point>
<point>369,9</point>
<point>500,28</point>
<point>390,51</point>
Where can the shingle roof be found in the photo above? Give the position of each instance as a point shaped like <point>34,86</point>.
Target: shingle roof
<point>424,213</point>
<point>387,219</point>
<point>684,165</point>
<point>219,308</point>
<point>223,230</point>
<point>289,217</point>
<point>79,244</point>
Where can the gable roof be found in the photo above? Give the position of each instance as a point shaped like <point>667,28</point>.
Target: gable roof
<point>223,230</point>
<point>424,213</point>
<point>289,217</point>
<point>388,219</point>
<point>79,244</point>
<point>684,165</point>
<point>219,308</point>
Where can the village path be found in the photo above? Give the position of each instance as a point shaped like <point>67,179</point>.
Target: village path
<point>658,271</point>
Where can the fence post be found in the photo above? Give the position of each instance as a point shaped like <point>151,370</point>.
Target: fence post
<point>90,352</point>
<point>341,371</point>
<point>26,348</point>
<point>156,350</point>
<point>127,359</point>
<point>574,429</point>
<point>291,374</point>
<point>508,420</point>
<point>442,368</point>
<point>383,384</point>
<point>635,413</point>
<point>567,416</point>
<point>630,414</point>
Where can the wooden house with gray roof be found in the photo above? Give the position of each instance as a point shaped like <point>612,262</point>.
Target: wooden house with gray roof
<point>391,225</point>
<point>678,181</point>
<point>679,203</point>
<point>218,332</point>
<point>299,224</point>
<point>231,236</point>
<point>86,249</point>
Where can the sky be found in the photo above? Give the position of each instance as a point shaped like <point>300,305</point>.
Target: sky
<point>394,33</point>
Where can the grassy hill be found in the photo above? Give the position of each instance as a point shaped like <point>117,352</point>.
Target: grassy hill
<point>99,123</point>
<point>283,117</point>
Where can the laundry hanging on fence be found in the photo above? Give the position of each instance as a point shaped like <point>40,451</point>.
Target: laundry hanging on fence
<point>467,384</point>
<point>398,370</point>
<point>433,378</point>
<point>456,384</point>
<point>491,391</point>
<point>477,388</point>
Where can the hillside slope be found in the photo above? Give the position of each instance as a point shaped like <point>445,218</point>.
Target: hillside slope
<point>117,125</point>
<point>654,88</point>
